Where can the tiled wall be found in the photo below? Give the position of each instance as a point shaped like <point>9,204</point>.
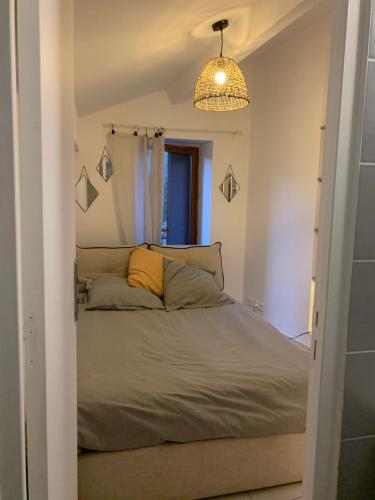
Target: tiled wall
<point>357,458</point>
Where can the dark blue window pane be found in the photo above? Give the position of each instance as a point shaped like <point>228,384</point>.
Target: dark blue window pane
<point>177,199</point>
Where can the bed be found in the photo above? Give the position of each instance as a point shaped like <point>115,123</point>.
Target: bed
<point>188,404</point>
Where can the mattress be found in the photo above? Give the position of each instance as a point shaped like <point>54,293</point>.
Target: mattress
<point>151,377</point>
<point>199,469</point>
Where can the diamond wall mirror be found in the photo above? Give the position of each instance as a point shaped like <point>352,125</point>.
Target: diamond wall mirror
<point>229,187</point>
<point>104,167</point>
<point>85,191</point>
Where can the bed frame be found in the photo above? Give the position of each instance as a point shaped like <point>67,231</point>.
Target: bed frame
<point>193,470</point>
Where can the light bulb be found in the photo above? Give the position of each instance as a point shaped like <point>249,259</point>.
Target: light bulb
<point>220,77</point>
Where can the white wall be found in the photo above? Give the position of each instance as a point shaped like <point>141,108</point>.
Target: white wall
<point>228,220</point>
<point>288,81</point>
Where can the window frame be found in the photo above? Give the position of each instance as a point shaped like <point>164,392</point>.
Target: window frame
<point>193,151</point>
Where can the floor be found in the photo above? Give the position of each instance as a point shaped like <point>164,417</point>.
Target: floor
<point>287,492</point>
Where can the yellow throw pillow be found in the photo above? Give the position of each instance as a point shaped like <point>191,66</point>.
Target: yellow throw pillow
<point>146,270</point>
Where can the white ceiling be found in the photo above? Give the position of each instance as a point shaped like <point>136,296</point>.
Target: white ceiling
<point>126,49</point>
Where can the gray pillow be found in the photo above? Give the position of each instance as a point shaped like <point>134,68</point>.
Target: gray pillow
<point>207,257</point>
<point>188,287</point>
<point>113,292</point>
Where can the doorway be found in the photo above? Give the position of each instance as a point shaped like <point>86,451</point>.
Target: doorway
<point>59,444</point>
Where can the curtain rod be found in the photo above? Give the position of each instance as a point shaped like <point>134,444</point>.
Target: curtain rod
<point>194,131</point>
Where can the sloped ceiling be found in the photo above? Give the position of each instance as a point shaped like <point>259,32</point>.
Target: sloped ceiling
<point>126,49</point>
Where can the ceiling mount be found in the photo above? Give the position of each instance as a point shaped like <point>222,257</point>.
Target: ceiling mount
<point>220,25</point>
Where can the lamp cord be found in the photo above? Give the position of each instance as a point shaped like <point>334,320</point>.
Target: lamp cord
<point>299,335</point>
<point>222,42</point>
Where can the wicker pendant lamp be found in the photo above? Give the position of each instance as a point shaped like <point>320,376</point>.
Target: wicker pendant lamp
<point>221,86</point>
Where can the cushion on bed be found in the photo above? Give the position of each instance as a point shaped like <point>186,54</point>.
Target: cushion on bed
<point>188,287</point>
<point>205,257</point>
<point>146,270</point>
<point>113,292</point>
<point>98,261</point>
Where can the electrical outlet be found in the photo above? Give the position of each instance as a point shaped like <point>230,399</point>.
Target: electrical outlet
<point>256,305</point>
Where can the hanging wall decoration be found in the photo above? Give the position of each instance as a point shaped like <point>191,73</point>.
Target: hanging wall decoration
<point>104,167</point>
<point>85,191</point>
<point>229,187</point>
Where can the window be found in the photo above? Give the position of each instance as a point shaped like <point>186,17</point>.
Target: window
<point>180,211</point>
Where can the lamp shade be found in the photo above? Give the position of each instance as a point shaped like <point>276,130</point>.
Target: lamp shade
<point>221,86</point>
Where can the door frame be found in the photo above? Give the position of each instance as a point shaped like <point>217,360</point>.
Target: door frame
<point>12,415</point>
<point>46,148</point>
<point>335,246</point>
<point>31,167</point>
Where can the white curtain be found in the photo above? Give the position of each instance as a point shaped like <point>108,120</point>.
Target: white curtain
<point>138,186</point>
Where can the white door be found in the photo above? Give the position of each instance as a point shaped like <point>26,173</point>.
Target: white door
<point>12,443</point>
<point>46,124</point>
<point>336,234</point>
